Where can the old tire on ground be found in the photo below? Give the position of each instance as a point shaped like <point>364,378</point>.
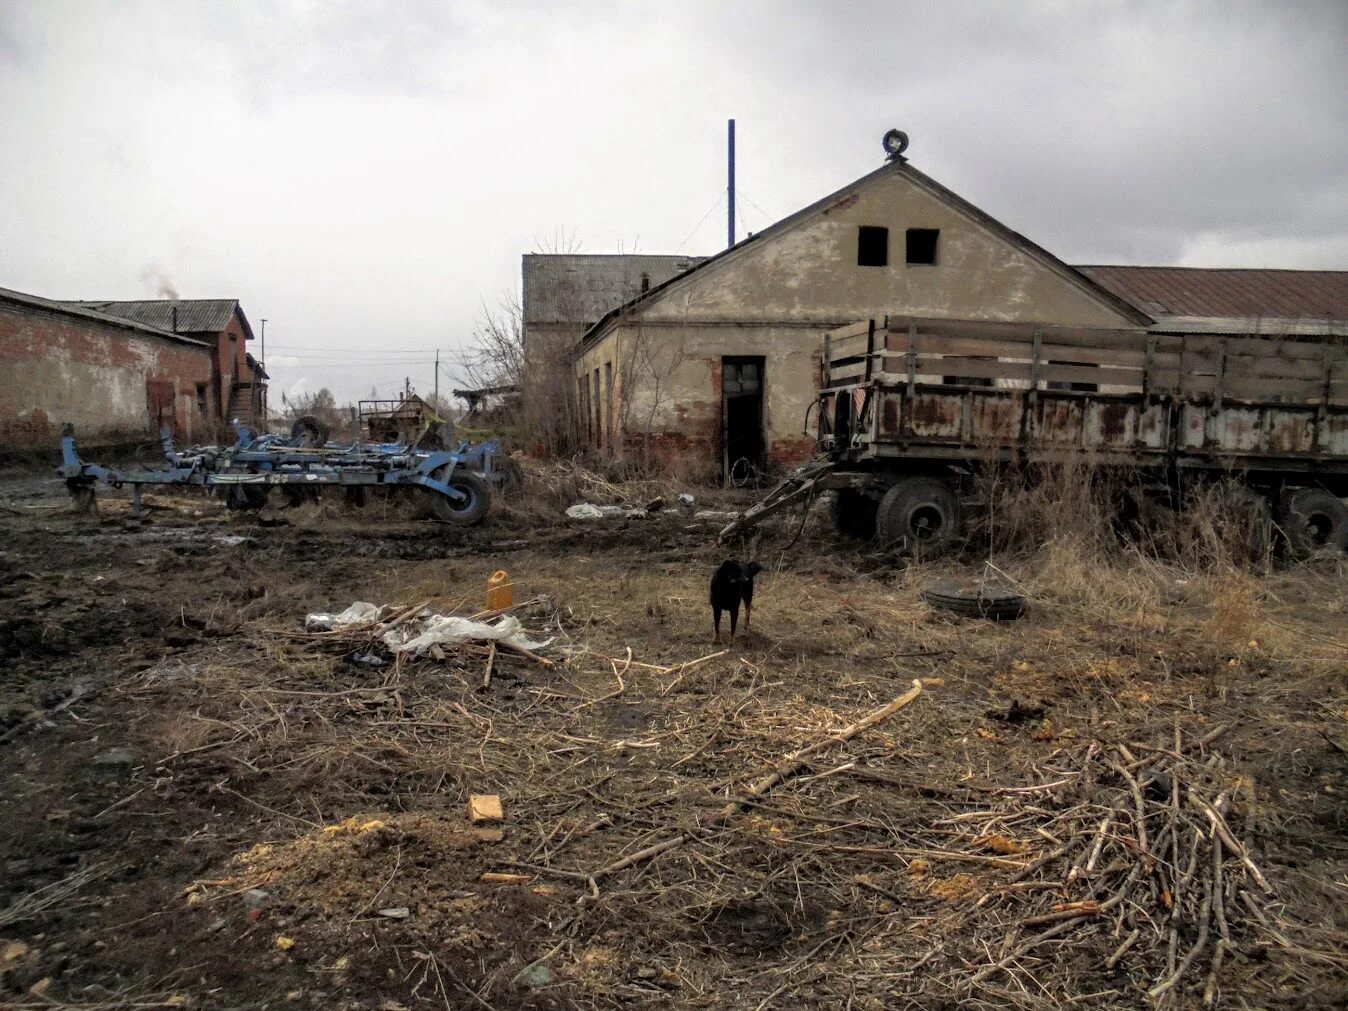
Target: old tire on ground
<point>308,431</point>
<point>920,515</point>
<point>854,513</point>
<point>463,514</point>
<point>1314,519</point>
<point>976,600</point>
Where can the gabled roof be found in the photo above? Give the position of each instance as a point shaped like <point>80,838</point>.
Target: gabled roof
<point>179,315</point>
<point>107,319</point>
<point>1228,292</point>
<point>582,287</point>
<point>904,168</point>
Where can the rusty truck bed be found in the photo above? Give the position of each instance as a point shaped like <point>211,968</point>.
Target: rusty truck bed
<point>963,390</point>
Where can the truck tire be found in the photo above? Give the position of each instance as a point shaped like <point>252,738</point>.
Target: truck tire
<point>854,514</point>
<point>464,514</point>
<point>921,515</point>
<point>1314,519</point>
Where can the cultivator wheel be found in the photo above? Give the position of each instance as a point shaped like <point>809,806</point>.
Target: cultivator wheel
<point>468,512</point>
<point>245,496</point>
<point>309,431</point>
<point>82,495</point>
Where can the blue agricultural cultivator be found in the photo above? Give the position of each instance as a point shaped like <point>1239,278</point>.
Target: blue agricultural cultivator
<point>459,481</point>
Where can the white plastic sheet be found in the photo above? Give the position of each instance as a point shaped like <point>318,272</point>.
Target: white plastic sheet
<point>359,613</point>
<point>441,628</point>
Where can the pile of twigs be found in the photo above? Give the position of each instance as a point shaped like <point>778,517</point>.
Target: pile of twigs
<point>1144,869</point>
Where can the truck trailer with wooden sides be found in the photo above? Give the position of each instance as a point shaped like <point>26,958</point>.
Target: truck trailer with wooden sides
<point>911,411</point>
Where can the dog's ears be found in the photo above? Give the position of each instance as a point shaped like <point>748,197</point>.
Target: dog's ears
<point>753,568</point>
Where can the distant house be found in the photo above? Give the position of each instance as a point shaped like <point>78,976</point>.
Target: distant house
<point>239,385</point>
<point>116,379</point>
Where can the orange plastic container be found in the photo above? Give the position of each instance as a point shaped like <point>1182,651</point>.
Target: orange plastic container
<point>500,591</point>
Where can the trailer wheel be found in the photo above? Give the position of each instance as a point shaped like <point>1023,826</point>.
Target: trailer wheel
<point>919,514</point>
<point>466,513</point>
<point>854,514</point>
<point>1314,519</point>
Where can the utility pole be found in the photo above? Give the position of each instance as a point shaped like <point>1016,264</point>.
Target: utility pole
<point>730,188</point>
<point>437,379</point>
<point>263,363</point>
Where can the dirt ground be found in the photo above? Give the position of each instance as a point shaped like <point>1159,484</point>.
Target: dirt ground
<point>201,805</point>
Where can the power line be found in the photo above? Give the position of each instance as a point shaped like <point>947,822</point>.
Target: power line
<point>710,209</point>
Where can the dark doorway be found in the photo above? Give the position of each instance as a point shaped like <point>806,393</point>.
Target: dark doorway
<point>742,419</point>
<point>159,401</point>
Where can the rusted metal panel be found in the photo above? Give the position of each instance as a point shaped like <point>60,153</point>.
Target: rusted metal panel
<point>1059,422</point>
<point>995,419</point>
<point>1110,424</point>
<point>1289,431</point>
<point>937,415</point>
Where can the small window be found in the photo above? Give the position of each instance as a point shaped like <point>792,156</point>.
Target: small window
<point>922,244</point>
<point>645,283</point>
<point>872,246</point>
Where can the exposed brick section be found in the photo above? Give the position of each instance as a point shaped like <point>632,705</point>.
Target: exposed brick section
<point>56,367</point>
<point>790,452</point>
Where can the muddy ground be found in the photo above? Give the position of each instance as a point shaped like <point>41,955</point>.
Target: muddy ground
<point>201,806</point>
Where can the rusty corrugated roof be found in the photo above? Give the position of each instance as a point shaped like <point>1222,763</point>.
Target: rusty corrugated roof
<point>84,312</point>
<point>181,315</point>
<point>1228,292</point>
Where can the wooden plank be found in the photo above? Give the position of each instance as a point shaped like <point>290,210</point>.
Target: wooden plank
<point>1286,347</point>
<point>972,368</point>
<point>849,330</point>
<point>855,369</point>
<point>1053,373</point>
<point>847,347</point>
<point>1074,336</point>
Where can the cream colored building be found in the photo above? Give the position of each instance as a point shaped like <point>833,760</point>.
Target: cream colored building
<point>720,362</point>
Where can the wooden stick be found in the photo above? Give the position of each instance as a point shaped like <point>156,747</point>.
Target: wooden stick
<point>1238,851</point>
<point>491,659</point>
<point>789,766</point>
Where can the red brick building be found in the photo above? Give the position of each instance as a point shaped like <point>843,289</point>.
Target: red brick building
<point>238,381</point>
<point>115,379</point>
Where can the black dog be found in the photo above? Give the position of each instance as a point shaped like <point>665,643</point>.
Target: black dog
<point>733,582</point>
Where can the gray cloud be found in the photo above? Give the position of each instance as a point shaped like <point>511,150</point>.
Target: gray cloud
<point>366,175</point>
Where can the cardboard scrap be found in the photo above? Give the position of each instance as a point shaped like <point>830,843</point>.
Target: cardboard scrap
<point>484,807</point>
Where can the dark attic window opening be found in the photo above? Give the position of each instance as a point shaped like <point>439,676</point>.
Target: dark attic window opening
<point>872,246</point>
<point>922,244</point>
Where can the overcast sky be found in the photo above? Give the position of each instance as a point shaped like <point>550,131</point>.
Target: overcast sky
<point>365,175</point>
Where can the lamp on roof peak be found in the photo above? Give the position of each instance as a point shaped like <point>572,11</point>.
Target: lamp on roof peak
<point>895,143</point>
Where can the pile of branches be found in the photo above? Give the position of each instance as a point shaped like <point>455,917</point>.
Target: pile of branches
<point>1146,871</point>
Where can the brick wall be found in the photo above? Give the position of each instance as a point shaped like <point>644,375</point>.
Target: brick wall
<point>57,367</point>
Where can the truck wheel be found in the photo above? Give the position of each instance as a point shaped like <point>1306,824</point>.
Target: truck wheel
<point>854,514</point>
<point>919,514</point>
<point>1314,519</point>
<point>466,513</point>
